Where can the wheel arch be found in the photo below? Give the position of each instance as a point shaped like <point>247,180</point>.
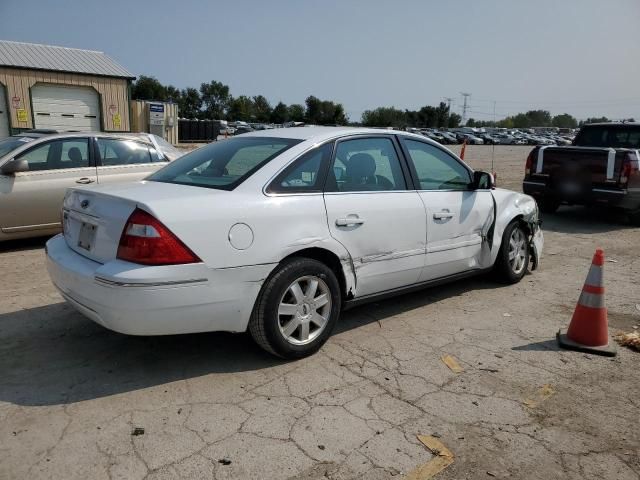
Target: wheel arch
<point>341,267</point>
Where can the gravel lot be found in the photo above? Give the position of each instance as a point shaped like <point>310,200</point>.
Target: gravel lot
<point>215,406</point>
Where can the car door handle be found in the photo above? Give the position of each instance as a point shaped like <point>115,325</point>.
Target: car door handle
<point>85,180</point>
<point>442,215</point>
<point>345,222</point>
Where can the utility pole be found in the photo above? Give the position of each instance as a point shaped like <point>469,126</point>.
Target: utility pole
<point>464,107</point>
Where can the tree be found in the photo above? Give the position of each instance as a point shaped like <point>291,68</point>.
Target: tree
<point>261,109</point>
<point>215,99</point>
<point>471,122</point>
<point>296,113</point>
<point>148,88</point>
<point>280,113</point>
<point>241,108</point>
<point>384,117</point>
<point>564,121</point>
<point>454,120</point>
<point>312,113</point>
<point>595,120</point>
<point>189,103</point>
<point>442,115</point>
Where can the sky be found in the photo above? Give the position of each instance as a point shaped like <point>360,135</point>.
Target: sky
<point>576,56</point>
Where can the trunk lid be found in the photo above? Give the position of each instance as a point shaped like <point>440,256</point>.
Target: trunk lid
<point>95,217</point>
<point>582,167</point>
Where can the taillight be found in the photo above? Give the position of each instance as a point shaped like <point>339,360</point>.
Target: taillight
<point>147,241</point>
<point>529,164</point>
<point>630,165</point>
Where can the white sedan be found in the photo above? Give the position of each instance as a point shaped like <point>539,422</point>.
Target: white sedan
<point>277,231</point>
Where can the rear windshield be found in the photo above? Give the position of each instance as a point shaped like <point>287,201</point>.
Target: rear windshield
<point>616,136</point>
<point>225,164</point>
<point>11,143</point>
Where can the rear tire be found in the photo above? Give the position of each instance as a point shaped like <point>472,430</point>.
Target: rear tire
<point>296,309</point>
<point>513,257</point>
<point>634,218</point>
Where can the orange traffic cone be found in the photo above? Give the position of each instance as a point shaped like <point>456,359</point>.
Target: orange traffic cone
<point>588,331</point>
<point>464,147</point>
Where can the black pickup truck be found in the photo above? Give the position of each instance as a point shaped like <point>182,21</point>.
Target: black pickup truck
<point>602,167</point>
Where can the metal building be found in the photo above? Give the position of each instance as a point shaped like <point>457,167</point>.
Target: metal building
<point>43,86</point>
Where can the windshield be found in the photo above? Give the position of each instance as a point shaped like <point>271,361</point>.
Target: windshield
<point>11,143</point>
<point>225,164</point>
<point>615,136</point>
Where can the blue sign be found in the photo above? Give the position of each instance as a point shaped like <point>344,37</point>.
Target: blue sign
<point>156,107</point>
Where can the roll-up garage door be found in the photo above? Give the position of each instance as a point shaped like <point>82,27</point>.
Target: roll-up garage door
<point>65,108</point>
<point>4,113</point>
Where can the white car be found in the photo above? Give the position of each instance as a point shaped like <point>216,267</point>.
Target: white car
<point>277,231</point>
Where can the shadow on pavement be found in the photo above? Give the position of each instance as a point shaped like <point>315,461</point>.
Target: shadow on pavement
<point>53,355</point>
<point>544,346</point>
<point>578,219</point>
<point>23,244</point>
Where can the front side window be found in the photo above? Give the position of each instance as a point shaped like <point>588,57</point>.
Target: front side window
<point>366,165</point>
<point>115,151</point>
<point>305,174</point>
<point>58,154</point>
<point>436,169</point>
<point>225,164</point>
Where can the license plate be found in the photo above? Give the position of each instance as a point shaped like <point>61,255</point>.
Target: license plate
<point>87,235</point>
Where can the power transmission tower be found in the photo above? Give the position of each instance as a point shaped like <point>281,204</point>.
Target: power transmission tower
<point>464,107</point>
<point>449,100</point>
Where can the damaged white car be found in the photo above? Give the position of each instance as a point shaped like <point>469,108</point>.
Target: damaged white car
<point>277,231</point>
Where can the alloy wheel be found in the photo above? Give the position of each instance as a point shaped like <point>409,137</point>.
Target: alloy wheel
<point>304,310</point>
<point>517,251</point>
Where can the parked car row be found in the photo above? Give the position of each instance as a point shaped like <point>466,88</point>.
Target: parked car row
<point>510,137</point>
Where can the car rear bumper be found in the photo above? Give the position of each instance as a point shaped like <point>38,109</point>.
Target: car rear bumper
<point>139,300</point>
<point>624,199</point>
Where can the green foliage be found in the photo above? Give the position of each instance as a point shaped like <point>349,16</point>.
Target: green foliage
<point>454,120</point>
<point>324,112</point>
<point>296,113</point>
<point>384,117</point>
<point>564,121</point>
<point>261,109</point>
<point>189,103</point>
<point>216,99</point>
<point>280,113</point>
<point>241,108</point>
<point>148,88</point>
<point>594,120</point>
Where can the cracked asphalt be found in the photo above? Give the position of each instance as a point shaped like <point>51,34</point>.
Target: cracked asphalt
<point>215,406</point>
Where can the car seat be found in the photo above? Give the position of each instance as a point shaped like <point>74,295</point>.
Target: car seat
<point>75,156</point>
<point>361,174</point>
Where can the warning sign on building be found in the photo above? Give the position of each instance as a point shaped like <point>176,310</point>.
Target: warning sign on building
<point>22,115</point>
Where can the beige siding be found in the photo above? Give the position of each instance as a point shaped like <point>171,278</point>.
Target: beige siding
<point>112,91</point>
<point>140,119</point>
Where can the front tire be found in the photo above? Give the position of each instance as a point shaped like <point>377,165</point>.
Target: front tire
<point>513,257</point>
<point>296,309</point>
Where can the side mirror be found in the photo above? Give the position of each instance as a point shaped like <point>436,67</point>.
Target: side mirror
<point>15,166</point>
<point>483,181</point>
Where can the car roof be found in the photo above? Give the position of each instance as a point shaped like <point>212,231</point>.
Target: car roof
<point>49,135</point>
<point>321,133</point>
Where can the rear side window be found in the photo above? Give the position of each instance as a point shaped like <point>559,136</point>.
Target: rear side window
<point>366,165</point>
<point>616,136</point>
<point>306,174</point>
<point>223,165</point>
<point>124,152</point>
